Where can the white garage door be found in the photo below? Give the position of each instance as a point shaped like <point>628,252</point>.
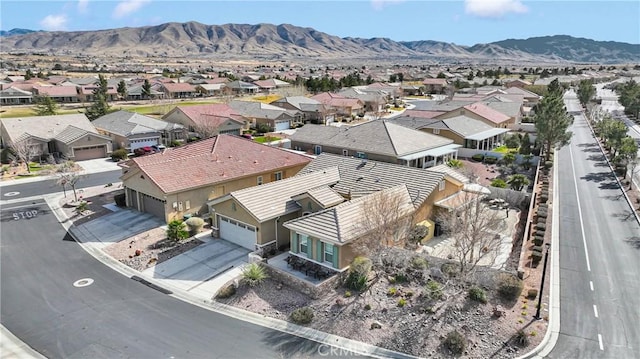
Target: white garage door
<point>282,125</point>
<point>89,153</point>
<point>238,233</point>
<point>143,142</point>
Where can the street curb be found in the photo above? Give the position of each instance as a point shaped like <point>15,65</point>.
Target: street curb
<point>11,347</point>
<point>346,347</point>
<point>553,326</point>
<point>593,133</point>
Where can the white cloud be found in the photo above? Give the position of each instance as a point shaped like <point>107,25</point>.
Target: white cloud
<point>54,22</point>
<point>494,8</point>
<point>83,6</point>
<point>128,7</point>
<point>381,4</point>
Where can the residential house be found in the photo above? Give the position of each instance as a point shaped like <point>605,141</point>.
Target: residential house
<point>130,130</point>
<point>435,85</point>
<point>241,87</point>
<point>381,140</point>
<point>15,96</point>
<point>64,136</point>
<point>86,93</point>
<point>482,112</point>
<point>135,93</point>
<point>211,118</point>
<point>271,85</point>
<point>312,110</point>
<point>178,90</point>
<point>207,89</point>
<point>61,94</point>
<point>179,181</point>
<point>258,113</point>
<point>345,108</point>
<point>373,101</point>
<point>517,83</point>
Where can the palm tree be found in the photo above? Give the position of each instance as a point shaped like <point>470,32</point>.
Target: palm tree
<point>177,230</point>
<point>518,181</point>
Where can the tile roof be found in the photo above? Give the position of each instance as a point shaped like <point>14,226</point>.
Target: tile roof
<point>274,199</point>
<point>46,127</point>
<point>125,123</point>
<point>487,112</point>
<point>178,87</point>
<point>14,92</point>
<point>217,159</point>
<point>344,222</point>
<point>205,114</point>
<point>451,172</point>
<point>325,196</point>
<point>436,81</point>
<point>254,109</point>
<point>421,113</point>
<point>73,133</point>
<point>57,91</point>
<point>382,137</point>
<point>465,126</point>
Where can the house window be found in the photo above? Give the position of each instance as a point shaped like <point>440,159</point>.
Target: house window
<point>441,187</point>
<point>328,252</point>
<point>304,244</point>
<point>259,180</point>
<point>277,176</point>
<point>345,152</point>
<point>436,131</point>
<point>361,155</point>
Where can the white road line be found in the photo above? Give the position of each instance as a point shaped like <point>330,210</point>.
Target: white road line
<point>600,342</point>
<point>591,285</point>
<point>575,183</point>
<point>595,310</point>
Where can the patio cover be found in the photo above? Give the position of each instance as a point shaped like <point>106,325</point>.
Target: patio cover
<point>435,152</point>
<point>458,199</point>
<point>487,134</point>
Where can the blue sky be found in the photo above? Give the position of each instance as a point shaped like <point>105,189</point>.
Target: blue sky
<point>464,22</point>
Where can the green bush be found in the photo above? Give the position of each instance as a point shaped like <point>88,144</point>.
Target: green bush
<point>418,262</point>
<point>401,278</point>
<point>536,256</point>
<point>367,307</point>
<point>302,315</point>
<point>532,294</point>
<point>548,164</point>
<point>254,274</point>
<point>433,290</point>
<point>477,157</point>
<point>509,286</point>
<point>347,294</point>
<point>392,291</point>
<point>478,294</point>
<point>176,230</point>
<point>195,225</point>
<point>450,269</point>
<point>358,274</point>
<point>119,155</point>
<point>455,342</point>
<point>226,291</point>
<point>538,241</point>
<point>402,302</point>
<point>541,226</point>
<point>490,160</point>
<point>499,183</point>
<point>521,338</point>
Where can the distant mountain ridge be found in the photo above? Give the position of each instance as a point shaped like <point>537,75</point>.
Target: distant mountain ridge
<point>268,41</point>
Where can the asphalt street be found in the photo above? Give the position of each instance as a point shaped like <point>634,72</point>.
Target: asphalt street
<point>40,188</point>
<point>599,255</point>
<point>63,303</point>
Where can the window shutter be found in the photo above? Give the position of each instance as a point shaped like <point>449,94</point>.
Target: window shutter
<point>294,243</point>
<point>335,256</point>
<point>319,252</point>
<point>309,248</point>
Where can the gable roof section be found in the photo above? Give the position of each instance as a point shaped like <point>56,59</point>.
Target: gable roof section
<point>204,114</point>
<point>72,133</point>
<point>125,123</point>
<point>359,178</point>
<point>57,91</point>
<point>325,196</point>
<point>381,137</point>
<point>274,199</point>
<point>465,126</point>
<point>217,159</point>
<point>487,112</point>
<point>253,109</point>
<point>46,127</point>
<point>451,172</point>
<point>178,87</point>
<point>343,223</point>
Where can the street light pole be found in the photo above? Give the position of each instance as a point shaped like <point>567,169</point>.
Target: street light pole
<point>544,272</point>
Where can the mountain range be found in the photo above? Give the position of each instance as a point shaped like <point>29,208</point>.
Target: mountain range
<point>268,41</point>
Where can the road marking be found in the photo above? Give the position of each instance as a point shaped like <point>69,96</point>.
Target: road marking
<point>595,310</point>
<point>575,183</point>
<point>600,342</point>
<point>11,194</point>
<point>591,285</point>
<point>83,282</point>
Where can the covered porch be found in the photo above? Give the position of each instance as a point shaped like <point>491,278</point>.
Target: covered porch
<point>302,268</point>
<point>432,157</point>
<point>486,140</point>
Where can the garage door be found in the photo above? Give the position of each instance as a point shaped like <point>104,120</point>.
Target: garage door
<point>282,125</point>
<point>89,153</point>
<point>152,205</point>
<point>143,143</point>
<point>238,233</point>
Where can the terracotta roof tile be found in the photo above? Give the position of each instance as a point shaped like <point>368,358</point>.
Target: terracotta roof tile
<point>487,112</point>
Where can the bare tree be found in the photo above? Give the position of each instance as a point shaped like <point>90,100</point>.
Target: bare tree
<point>386,219</point>
<point>66,176</point>
<point>206,128</point>
<point>474,231</point>
<point>25,150</point>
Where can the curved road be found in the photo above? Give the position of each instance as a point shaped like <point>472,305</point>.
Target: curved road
<point>48,186</point>
<point>599,241</point>
<point>114,317</point>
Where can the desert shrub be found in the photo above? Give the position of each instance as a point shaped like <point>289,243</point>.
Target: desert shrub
<point>455,163</point>
<point>392,291</point>
<point>548,164</point>
<point>536,256</point>
<point>509,286</point>
<point>455,342</point>
<point>433,290</point>
<point>499,183</point>
<point>367,307</point>
<point>302,315</point>
<point>490,160</point>
<point>532,293</point>
<point>176,230</point>
<point>195,225</point>
<point>477,157</point>
<point>418,262</point>
<point>450,269</point>
<point>401,278</point>
<point>254,274</point>
<point>521,338</point>
<point>118,155</point>
<point>120,200</point>
<point>478,294</point>
<point>226,291</point>
<point>358,274</point>
<point>347,294</point>
<point>81,207</point>
<point>402,302</point>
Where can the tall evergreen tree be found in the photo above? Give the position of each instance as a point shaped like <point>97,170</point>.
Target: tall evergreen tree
<point>586,92</point>
<point>45,106</point>
<point>552,120</point>
<point>100,106</point>
<point>146,89</point>
<point>122,89</point>
<point>28,75</point>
